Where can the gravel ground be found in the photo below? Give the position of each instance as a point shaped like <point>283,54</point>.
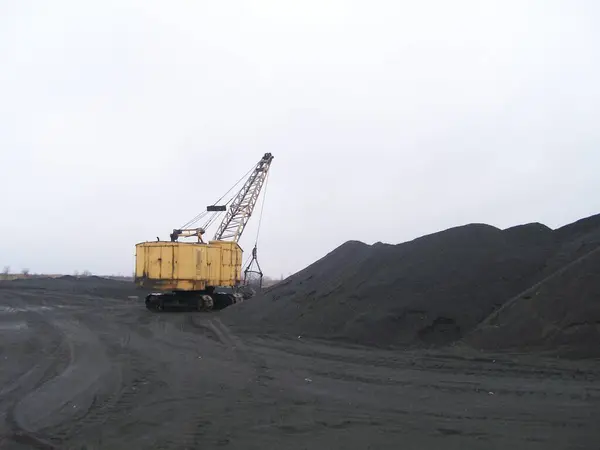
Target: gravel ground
<point>86,366</point>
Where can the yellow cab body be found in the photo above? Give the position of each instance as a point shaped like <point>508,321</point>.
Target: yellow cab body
<point>187,266</point>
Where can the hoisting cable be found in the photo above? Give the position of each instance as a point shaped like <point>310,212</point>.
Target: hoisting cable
<point>248,258</point>
<point>203,213</point>
<point>262,208</point>
<point>194,220</point>
<point>217,214</point>
<point>238,182</point>
<point>253,259</point>
<point>212,219</point>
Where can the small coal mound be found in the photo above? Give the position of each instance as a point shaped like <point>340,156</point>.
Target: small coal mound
<point>443,288</point>
<point>92,285</point>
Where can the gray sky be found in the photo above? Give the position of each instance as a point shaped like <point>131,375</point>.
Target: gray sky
<point>120,120</point>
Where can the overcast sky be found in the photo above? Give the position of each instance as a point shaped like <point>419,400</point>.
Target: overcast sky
<point>120,120</point>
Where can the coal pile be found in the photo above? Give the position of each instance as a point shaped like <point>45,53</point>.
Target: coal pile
<point>442,288</point>
<point>560,314</point>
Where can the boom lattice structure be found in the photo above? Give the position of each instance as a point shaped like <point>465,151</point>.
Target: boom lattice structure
<point>234,222</point>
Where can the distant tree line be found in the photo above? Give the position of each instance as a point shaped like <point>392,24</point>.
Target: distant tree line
<point>6,273</point>
<point>25,272</point>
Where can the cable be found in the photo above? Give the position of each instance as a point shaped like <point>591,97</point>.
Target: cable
<point>202,214</point>
<point>218,214</point>
<point>262,208</point>
<point>245,264</point>
<point>238,182</point>
<point>194,220</point>
<point>212,220</point>
<point>211,216</point>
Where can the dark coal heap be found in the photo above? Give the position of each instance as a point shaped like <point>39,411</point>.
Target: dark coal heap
<point>524,288</point>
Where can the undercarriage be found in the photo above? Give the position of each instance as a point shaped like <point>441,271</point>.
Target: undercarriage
<point>208,300</point>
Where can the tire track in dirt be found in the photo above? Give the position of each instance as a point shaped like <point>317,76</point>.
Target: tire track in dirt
<point>71,393</point>
<point>152,350</point>
<point>244,353</point>
<point>51,355</point>
<point>180,337</point>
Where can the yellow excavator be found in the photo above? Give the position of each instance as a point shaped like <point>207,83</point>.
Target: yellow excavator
<point>205,275</point>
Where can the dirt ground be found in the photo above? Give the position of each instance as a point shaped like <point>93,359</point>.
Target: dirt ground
<point>91,368</point>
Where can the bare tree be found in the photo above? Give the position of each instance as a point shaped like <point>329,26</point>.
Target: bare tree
<point>25,272</point>
<point>86,273</point>
<point>5,272</point>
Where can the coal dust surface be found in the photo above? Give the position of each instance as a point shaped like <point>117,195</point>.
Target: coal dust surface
<point>86,366</point>
<point>526,288</point>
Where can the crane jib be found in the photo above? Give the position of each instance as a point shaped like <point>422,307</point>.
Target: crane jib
<point>242,206</point>
<point>237,210</point>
